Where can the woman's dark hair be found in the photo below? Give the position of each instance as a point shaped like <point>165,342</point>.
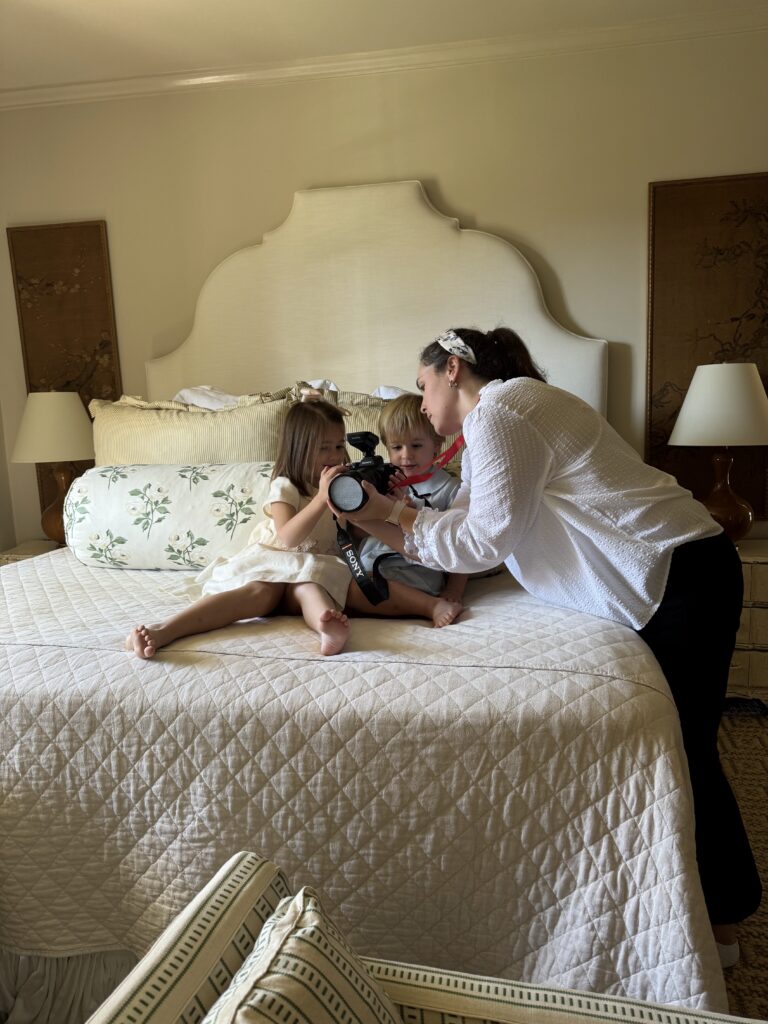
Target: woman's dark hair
<point>500,353</point>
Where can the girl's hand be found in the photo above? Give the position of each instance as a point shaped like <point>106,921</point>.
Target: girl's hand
<point>326,475</point>
<point>378,506</point>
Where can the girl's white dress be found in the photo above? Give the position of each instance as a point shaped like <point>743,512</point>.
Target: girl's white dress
<point>264,558</point>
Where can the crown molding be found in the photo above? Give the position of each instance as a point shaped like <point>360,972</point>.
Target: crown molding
<point>479,51</point>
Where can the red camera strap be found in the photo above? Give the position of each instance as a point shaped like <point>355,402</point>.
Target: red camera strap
<point>439,462</point>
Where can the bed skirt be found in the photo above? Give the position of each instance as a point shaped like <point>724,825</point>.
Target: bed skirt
<point>65,989</point>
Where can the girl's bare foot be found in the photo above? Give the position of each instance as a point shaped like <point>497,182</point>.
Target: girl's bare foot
<point>334,630</point>
<point>446,612</point>
<point>145,641</point>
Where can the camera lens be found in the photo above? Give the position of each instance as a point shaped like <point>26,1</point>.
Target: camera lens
<point>346,493</point>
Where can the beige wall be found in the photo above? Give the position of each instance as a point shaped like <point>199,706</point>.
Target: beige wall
<point>553,153</point>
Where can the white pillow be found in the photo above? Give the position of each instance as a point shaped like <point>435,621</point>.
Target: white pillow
<point>324,384</point>
<point>301,968</point>
<point>164,517</point>
<point>388,391</point>
<point>205,396</point>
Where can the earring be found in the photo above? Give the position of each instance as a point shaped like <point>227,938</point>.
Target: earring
<point>453,384</point>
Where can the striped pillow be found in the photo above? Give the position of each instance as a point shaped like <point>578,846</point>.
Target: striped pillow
<point>364,412</point>
<point>131,431</point>
<point>301,969</point>
<point>199,953</point>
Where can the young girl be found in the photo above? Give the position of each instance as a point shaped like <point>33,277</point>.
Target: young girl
<point>291,563</point>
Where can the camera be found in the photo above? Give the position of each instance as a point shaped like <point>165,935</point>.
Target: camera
<point>346,490</point>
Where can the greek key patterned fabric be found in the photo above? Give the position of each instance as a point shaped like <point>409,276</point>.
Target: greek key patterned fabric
<point>198,954</point>
<point>211,945</point>
<point>302,970</point>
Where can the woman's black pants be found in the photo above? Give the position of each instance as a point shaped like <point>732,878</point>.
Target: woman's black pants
<point>692,635</point>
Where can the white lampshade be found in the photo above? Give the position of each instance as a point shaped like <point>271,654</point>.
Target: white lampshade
<point>726,405</point>
<point>54,428</point>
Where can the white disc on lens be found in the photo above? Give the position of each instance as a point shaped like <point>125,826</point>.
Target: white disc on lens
<point>346,493</point>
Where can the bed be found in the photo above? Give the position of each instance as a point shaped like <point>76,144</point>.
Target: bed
<point>507,796</point>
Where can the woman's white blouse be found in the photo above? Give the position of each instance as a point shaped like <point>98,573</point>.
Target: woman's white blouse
<point>550,488</point>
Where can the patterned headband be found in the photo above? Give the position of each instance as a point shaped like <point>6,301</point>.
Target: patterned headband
<point>451,342</point>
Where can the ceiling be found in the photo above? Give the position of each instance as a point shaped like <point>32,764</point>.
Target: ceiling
<point>60,44</point>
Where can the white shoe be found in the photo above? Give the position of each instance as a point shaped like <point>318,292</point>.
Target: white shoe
<point>729,954</point>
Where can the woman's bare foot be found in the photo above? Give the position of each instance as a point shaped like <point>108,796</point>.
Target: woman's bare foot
<point>334,630</point>
<point>145,641</point>
<point>446,612</point>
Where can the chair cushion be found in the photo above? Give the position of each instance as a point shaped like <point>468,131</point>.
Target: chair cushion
<point>302,969</point>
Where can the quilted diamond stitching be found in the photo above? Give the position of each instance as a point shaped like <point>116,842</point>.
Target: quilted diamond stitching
<point>453,793</point>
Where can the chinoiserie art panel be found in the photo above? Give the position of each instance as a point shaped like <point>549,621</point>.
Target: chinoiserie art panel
<point>63,287</point>
<point>708,303</point>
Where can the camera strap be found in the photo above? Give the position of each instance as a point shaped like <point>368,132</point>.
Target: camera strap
<point>439,462</point>
<point>373,585</point>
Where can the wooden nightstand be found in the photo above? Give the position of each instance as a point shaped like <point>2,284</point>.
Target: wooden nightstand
<point>28,549</point>
<point>749,668</point>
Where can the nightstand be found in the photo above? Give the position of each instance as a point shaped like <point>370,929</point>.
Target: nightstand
<point>28,549</point>
<point>749,668</point>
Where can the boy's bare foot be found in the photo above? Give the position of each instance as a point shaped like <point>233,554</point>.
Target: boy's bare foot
<point>446,612</point>
<point>145,641</point>
<point>334,630</point>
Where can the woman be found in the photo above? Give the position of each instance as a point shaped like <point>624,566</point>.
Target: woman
<point>549,488</point>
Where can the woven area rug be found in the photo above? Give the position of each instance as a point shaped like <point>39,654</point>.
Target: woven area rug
<point>744,753</point>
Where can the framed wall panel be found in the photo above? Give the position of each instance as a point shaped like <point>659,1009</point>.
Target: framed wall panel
<point>708,303</point>
<point>63,289</point>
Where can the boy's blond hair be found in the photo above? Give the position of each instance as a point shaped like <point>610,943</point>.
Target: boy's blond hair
<point>402,417</point>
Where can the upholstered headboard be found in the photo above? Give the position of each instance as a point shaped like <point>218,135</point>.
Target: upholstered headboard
<point>352,286</point>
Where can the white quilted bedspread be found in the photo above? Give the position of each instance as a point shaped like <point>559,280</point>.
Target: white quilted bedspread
<point>504,796</point>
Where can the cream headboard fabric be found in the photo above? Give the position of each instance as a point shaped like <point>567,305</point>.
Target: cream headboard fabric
<point>352,286</point>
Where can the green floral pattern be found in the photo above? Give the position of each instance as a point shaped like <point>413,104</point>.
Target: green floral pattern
<point>151,506</point>
<point>114,473</point>
<point>102,548</point>
<point>75,507</point>
<point>236,507</point>
<point>164,517</point>
<point>184,551</point>
<point>195,474</point>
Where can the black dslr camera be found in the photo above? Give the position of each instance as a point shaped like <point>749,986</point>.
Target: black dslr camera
<point>346,490</point>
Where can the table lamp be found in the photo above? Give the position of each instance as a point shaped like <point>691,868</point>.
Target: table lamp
<point>726,406</point>
<point>55,428</point>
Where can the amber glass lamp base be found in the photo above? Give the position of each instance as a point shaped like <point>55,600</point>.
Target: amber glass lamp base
<point>52,521</point>
<point>734,514</point>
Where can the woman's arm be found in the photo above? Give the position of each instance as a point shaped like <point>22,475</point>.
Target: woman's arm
<point>510,465</point>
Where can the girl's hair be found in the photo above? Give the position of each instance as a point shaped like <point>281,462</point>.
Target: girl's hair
<point>402,417</point>
<point>300,440</point>
<point>500,353</point>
